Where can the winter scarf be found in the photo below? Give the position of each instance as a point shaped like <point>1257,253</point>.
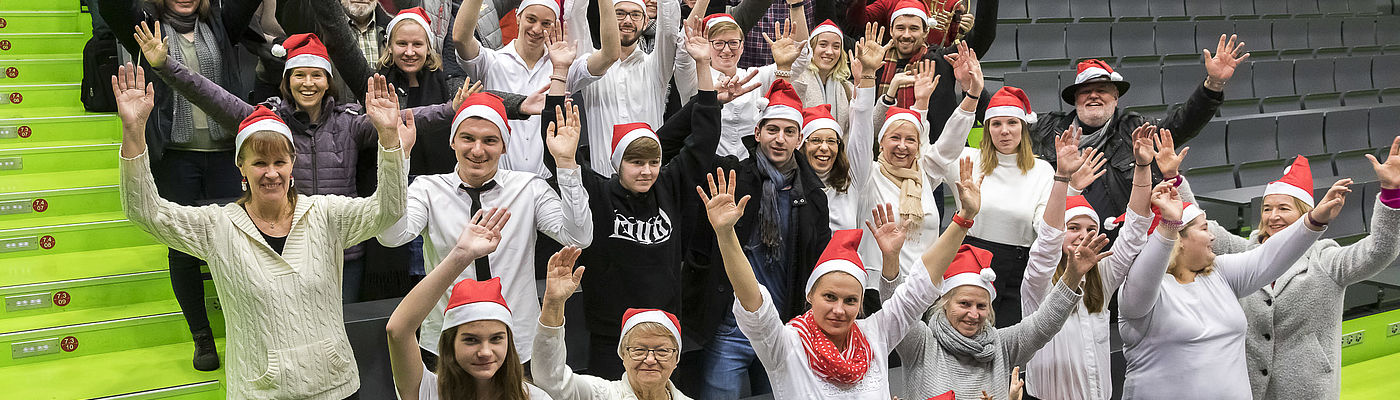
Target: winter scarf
<point>979,347</point>
<point>774,178</point>
<point>911,192</point>
<point>211,65</point>
<point>843,367</point>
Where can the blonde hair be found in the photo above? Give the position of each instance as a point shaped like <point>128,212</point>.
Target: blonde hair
<point>266,143</point>
<point>722,27</point>
<point>941,306</point>
<point>433,60</point>
<point>1025,158</point>
<point>1303,209</point>
<point>1173,261</point>
<point>645,328</point>
<point>840,72</point>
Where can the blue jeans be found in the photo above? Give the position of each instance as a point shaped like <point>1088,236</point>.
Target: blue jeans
<point>354,274</point>
<point>728,358</point>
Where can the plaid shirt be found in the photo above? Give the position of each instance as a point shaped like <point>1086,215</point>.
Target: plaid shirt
<point>904,98</point>
<point>756,51</point>
<point>370,41</point>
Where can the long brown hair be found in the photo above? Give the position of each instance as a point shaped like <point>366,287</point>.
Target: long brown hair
<point>267,143</point>
<point>1025,158</point>
<point>455,383</point>
<point>1093,285</point>
<point>839,177</point>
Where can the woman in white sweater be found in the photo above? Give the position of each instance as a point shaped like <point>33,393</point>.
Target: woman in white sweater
<point>840,153</point>
<point>275,255</point>
<point>1183,331</point>
<point>826,353</point>
<point>1076,363</point>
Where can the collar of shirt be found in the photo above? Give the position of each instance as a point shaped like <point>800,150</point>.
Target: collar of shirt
<point>370,26</point>
<point>509,49</point>
<point>455,179</point>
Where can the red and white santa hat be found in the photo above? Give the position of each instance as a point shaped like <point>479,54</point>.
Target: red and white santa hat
<point>826,27</point>
<point>717,18</point>
<point>895,114</point>
<point>415,14</point>
<point>840,256</point>
<point>483,105</point>
<point>262,119</point>
<point>945,396</point>
<point>818,118</point>
<point>635,316</point>
<point>971,266</point>
<point>1296,181</point>
<point>910,7</point>
<point>1078,205</point>
<point>473,300</point>
<point>624,135</point>
<point>783,103</point>
<point>1094,71</point>
<point>303,50</point>
<point>1010,101</point>
<point>553,5</point>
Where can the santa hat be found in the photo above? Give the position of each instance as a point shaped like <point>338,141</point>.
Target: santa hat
<point>717,18</point>
<point>484,105</point>
<point>473,300</point>
<point>1076,206</point>
<point>415,14</point>
<point>817,118</point>
<point>1010,101</point>
<point>551,4</point>
<point>262,119</point>
<point>303,50</point>
<point>635,316</point>
<point>783,102</point>
<point>1190,212</point>
<point>624,135</point>
<point>945,396</point>
<point>1094,71</point>
<point>639,3</point>
<point>840,256</point>
<point>1296,181</point>
<point>909,7</point>
<point>971,266</point>
<point>826,27</point>
<point>895,114</point>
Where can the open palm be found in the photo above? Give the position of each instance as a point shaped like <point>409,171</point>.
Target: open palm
<point>889,231</point>
<point>135,97</point>
<point>561,278</point>
<point>483,234</point>
<point>1388,173</point>
<point>719,203</point>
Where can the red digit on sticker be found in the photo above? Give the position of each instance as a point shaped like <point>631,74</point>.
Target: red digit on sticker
<point>40,205</point>
<point>68,344</point>
<point>4,45</point>
<point>61,299</point>
<point>47,242</point>
<point>16,97</point>
<point>24,131</point>
<point>3,23</point>
<point>12,72</point>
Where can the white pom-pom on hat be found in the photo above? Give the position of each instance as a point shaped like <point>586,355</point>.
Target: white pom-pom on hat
<point>988,275</point>
<point>278,50</point>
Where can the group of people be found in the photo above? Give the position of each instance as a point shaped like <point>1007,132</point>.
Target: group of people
<point>776,224</point>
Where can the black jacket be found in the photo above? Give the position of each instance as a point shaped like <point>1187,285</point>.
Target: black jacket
<point>1109,194</point>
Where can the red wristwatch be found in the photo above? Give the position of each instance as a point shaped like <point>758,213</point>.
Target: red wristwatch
<point>963,222</point>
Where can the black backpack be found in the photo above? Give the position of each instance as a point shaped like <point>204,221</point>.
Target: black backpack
<point>99,65</point>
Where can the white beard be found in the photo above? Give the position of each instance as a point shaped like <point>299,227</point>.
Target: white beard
<point>359,11</point>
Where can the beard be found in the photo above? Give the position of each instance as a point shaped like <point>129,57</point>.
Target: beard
<point>358,11</point>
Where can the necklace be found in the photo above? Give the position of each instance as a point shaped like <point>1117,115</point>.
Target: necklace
<point>271,225</point>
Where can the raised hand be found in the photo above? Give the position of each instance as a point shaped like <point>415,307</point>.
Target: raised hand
<point>152,45</point>
<point>382,104</point>
<point>135,96</point>
<point>1332,203</point>
<point>469,88</point>
<point>969,190</point>
<point>925,80</point>
<point>719,204</point>
<point>697,43</point>
<point>483,234</point>
<point>562,139</point>
<point>966,68</point>
<point>1067,154</point>
<point>408,132</point>
<point>785,49</point>
<point>1168,203</point>
<point>1084,257</point>
<point>561,50</point>
<point>888,230</point>
<point>869,49</point>
<point>1143,148</point>
<point>534,103</point>
<point>1017,386</point>
<point>1168,159</point>
<point>561,279</point>
<point>733,87</point>
<point>1220,67</point>
<point>1090,171</point>
<point>1388,173</point>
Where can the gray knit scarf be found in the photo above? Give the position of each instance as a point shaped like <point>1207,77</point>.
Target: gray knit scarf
<point>768,207</point>
<point>1098,137</point>
<point>210,66</point>
<point>980,347</point>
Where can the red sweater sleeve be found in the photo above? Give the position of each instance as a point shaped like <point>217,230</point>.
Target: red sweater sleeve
<point>879,11</point>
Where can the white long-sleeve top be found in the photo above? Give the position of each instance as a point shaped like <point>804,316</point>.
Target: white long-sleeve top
<point>779,347</point>
<point>1186,341</point>
<point>438,210</point>
<point>554,376</point>
<point>740,116</point>
<point>286,328</point>
<point>849,209</point>
<point>1020,198</point>
<point>1076,363</point>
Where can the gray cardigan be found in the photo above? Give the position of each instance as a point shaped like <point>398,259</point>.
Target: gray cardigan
<point>1293,344</point>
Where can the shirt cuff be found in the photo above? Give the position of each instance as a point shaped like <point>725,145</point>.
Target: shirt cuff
<point>572,177</point>
<point>147,151</point>
<point>1390,197</point>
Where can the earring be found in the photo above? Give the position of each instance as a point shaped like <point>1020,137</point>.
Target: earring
<point>245,184</point>
<point>291,182</point>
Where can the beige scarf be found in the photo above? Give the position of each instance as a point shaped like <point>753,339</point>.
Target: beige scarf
<point>911,185</point>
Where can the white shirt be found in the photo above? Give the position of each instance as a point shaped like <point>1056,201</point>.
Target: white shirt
<point>428,388</point>
<point>1076,364</point>
<point>780,349</point>
<point>1019,198</point>
<point>554,375</point>
<point>504,69</point>
<point>439,210</point>
<point>740,116</point>
<point>1186,341</point>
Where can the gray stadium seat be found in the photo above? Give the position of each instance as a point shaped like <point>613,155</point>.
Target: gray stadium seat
<point>1129,8</point>
<point>1359,31</point>
<point>1384,125</point>
<point>1005,46</point>
<point>1207,148</point>
<point>1146,89</point>
<point>1361,97</point>
<point>1255,32</point>
<point>1289,34</point>
<point>1241,86</point>
<point>1011,9</point>
<point>1301,6</point>
<point>1203,7</point>
<point>1132,39</point>
<point>1176,37</point>
<point>1042,87</point>
<point>1165,8</point>
<point>1262,172</point>
<point>1313,101</point>
<point>1350,222</point>
<point>1236,8</point>
<point>1363,6</point>
<point>1086,39</point>
<point>1040,41</point>
<point>1384,71</point>
<point>1390,95</point>
<point>1239,107</point>
<point>1273,104</point>
<point>1273,78</point>
<point>1179,81</point>
<point>1047,8</point>
<point>1089,8</point>
<point>1251,139</point>
<point>1324,32</point>
<point>1387,30</point>
<point>1313,76</point>
<point>1299,134</point>
<point>1208,34</point>
<point>1353,165</point>
<point>1345,130</point>
<point>1332,7</point>
<point>1352,73</point>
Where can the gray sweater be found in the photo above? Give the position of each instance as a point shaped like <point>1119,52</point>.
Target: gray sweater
<point>931,371</point>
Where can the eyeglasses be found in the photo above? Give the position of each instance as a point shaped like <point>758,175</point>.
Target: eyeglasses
<point>640,353</point>
<point>636,15</point>
<point>828,142</point>
<point>720,44</point>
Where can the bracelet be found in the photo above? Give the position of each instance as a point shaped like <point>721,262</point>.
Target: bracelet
<point>970,96</point>
<point>782,74</point>
<point>888,99</point>
<point>1149,165</point>
<point>1174,225</point>
<point>1059,178</point>
<point>1310,220</point>
<point>557,78</point>
<point>1176,180</point>
<point>867,77</point>
<point>963,222</point>
<point>1142,185</point>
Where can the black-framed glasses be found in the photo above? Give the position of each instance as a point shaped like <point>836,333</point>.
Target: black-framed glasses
<point>640,353</point>
<point>733,44</point>
<point>635,15</point>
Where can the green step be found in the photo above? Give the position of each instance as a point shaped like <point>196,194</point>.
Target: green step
<point>80,265</point>
<point>13,97</point>
<point>1371,379</point>
<point>29,45</point>
<point>82,300</point>
<point>41,71</point>
<point>114,335</point>
<point>39,5</point>
<point>60,157</point>
<point>147,373</point>
<point>75,109</point>
<point>38,131</point>
<point>21,206</point>
<point>39,321</point>
<point>52,240</point>
<point>39,21</point>
<point>58,180</point>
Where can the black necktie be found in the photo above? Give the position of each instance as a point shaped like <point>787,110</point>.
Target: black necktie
<point>483,265</point>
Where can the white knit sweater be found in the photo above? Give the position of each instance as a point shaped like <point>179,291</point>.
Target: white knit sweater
<point>286,330</point>
<point>1018,198</point>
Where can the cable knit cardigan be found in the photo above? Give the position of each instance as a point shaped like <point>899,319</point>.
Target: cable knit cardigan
<point>286,331</point>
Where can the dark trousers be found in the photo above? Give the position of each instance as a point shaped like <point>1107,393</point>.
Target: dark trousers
<point>602,357</point>
<point>192,178</point>
<point>1009,263</point>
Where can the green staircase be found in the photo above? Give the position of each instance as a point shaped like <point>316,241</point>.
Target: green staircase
<point>89,312</point>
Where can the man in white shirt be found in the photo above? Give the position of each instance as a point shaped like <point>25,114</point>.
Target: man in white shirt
<point>527,64</point>
<point>440,206</point>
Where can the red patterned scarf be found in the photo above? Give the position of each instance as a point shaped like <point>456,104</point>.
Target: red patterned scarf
<point>843,367</point>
